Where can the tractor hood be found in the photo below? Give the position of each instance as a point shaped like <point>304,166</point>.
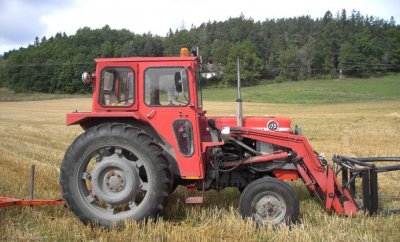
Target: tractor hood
<point>269,123</point>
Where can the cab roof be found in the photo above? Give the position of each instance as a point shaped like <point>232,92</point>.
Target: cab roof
<point>146,59</point>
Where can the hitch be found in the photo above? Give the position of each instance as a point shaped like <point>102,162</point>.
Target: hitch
<point>366,169</point>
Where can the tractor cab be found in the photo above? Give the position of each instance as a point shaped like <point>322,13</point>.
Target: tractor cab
<point>162,95</point>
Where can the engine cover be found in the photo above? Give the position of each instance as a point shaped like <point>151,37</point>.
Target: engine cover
<point>268,123</point>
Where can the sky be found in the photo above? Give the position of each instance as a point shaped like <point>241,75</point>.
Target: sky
<point>22,20</point>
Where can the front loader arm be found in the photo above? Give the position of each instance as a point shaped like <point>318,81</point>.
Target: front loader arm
<point>319,179</point>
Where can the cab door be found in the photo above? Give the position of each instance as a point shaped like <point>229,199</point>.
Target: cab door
<point>169,105</point>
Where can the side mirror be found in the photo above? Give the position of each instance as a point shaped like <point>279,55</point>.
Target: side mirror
<point>178,82</point>
<point>195,51</point>
<point>87,78</point>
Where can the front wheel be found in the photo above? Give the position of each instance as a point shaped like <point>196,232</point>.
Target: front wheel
<point>115,172</point>
<point>269,201</point>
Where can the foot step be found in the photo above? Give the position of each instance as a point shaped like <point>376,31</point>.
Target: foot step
<point>191,196</point>
<point>194,200</point>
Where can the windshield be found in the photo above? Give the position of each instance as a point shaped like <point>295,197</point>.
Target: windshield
<point>166,86</point>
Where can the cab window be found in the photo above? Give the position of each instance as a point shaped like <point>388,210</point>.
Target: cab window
<point>184,136</point>
<point>117,87</point>
<point>166,86</point>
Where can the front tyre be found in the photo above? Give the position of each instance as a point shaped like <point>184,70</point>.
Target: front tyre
<point>269,201</point>
<point>115,172</point>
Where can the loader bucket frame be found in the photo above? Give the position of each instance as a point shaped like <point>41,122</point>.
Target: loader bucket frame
<point>367,170</point>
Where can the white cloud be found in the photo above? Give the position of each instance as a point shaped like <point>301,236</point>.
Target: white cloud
<point>19,21</point>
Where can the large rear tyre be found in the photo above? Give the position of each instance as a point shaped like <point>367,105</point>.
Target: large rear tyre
<point>269,201</point>
<point>115,172</point>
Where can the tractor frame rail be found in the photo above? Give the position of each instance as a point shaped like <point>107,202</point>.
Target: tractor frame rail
<point>367,169</point>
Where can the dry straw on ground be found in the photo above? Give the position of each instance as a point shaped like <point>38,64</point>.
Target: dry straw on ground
<point>35,133</point>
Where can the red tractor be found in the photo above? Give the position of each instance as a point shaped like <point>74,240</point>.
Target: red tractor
<point>148,133</point>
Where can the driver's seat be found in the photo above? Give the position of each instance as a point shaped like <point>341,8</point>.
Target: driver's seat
<point>111,97</point>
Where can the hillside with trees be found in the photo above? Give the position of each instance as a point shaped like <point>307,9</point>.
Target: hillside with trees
<point>287,49</point>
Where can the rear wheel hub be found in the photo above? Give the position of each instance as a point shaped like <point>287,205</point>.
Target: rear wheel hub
<point>115,180</point>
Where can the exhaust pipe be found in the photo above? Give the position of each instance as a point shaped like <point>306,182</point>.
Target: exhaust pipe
<point>239,115</point>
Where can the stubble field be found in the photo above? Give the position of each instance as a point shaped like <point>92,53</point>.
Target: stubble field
<point>34,132</point>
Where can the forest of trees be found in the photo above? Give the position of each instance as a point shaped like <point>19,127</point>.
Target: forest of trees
<point>287,49</point>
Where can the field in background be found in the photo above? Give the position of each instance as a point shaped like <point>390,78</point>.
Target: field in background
<point>314,91</point>
<point>10,96</point>
<point>34,133</point>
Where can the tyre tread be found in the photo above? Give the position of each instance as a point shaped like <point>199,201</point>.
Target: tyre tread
<point>140,138</point>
